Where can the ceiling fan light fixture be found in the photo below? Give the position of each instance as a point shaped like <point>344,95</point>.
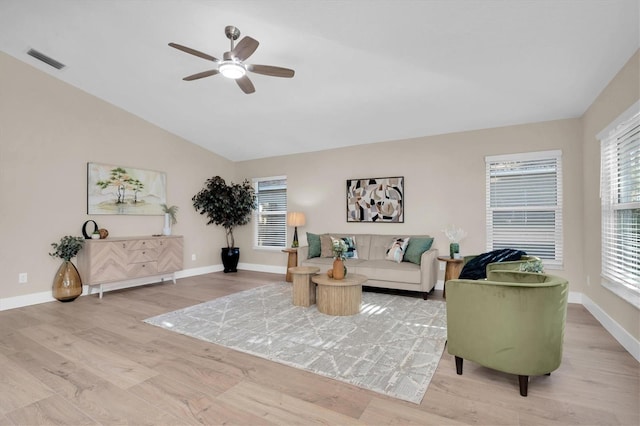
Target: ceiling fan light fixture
<point>232,69</point>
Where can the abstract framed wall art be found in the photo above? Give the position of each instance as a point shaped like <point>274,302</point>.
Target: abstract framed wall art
<point>376,200</point>
<point>114,189</point>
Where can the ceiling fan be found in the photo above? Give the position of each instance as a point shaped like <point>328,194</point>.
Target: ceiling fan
<point>232,64</point>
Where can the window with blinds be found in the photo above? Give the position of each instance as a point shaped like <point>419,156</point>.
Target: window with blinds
<point>271,214</point>
<point>620,200</point>
<point>524,204</point>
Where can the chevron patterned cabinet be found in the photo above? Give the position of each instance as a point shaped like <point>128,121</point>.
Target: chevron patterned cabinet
<point>128,261</point>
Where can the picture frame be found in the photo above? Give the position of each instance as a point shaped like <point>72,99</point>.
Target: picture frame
<point>376,200</point>
<point>116,189</point>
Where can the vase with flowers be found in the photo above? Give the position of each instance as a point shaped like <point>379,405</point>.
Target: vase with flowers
<point>339,247</point>
<point>67,285</point>
<point>169,218</point>
<point>455,235</point>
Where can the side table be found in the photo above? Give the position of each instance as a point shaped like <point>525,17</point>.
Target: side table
<point>304,290</point>
<point>292,261</point>
<point>451,271</point>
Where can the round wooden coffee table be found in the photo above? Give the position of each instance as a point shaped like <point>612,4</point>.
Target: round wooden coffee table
<point>304,291</point>
<point>339,297</point>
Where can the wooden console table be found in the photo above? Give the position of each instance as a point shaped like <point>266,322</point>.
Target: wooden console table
<point>129,261</point>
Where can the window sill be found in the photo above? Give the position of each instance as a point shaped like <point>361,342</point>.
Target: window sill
<point>623,292</point>
<point>278,249</point>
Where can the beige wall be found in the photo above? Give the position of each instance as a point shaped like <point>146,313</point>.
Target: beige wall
<point>48,132</point>
<point>622,92</point>
<point>444,183</point>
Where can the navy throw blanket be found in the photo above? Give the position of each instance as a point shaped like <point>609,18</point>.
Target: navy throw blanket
<point>476,268</point>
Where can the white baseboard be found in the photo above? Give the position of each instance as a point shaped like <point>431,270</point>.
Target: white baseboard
<point>263,268</point>
<point>29,299</point>
<point>46,296</point>
<point>631,344</point>
<point>199,271</point>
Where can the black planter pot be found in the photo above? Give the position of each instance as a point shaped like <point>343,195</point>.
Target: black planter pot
<point>230,257</point>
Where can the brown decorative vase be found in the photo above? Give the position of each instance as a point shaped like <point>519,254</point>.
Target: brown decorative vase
<point>338,269</point>
<point>67,285</point>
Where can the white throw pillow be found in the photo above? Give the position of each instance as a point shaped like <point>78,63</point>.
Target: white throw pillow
<point>396,251</point>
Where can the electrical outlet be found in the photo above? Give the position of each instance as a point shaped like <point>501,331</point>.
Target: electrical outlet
<point>193,256</point>
<point>442,265</point>
<point>22,278</point>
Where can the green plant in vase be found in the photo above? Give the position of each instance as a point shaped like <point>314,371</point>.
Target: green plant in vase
<point>169,218</point>
<point>67,248</point>
<point>67,285</point>
<point>339,248</point>
<point>227,205</point>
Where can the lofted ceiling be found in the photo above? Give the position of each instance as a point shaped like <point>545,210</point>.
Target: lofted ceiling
<point>366,70</point>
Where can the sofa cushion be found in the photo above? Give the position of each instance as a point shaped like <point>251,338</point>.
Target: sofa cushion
<point>326,246</point>
<point>314,245</point>
<point>396,250</point>
<point>379,245</point>
<point>383,270</point>
<point>417,246</point>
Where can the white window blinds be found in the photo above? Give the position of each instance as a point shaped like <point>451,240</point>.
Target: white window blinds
<point>271,215</point>
<point>524,204</point>
<point>620,200</point>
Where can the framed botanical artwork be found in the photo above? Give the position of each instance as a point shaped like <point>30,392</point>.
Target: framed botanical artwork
<point>115,189</point>
<point>375,200</point>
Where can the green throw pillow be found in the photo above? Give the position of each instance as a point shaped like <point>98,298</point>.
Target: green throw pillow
<point>417,246</point>
<point>314,245</point>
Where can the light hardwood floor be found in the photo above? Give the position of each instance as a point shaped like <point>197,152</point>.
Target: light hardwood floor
<point>94,361</point>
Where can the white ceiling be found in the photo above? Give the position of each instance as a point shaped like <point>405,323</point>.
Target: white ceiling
<point>366,70</point>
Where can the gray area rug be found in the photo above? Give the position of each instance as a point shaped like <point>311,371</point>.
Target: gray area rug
<point>392,346</point>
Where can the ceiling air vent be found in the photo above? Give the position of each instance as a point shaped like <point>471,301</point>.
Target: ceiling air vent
<point>46,59</point>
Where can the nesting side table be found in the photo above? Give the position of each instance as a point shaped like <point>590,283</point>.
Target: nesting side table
<point>451,272</point>
<point>304,290</point>
<point>292,261</point>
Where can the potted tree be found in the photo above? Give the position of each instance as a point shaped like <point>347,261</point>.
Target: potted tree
<point>67,285</point>
<point>228,206</point>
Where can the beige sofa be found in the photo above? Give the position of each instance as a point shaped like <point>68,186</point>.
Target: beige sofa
<point>371,262</point>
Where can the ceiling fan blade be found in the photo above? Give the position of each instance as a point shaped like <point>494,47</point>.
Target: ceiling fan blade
<point>272,71</point>
<point>200,75</point>
<point>246,85</point>
<point>245,48</point>
<point>193,52</point>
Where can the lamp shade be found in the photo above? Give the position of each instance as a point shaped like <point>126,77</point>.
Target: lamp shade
<point>295,219</point>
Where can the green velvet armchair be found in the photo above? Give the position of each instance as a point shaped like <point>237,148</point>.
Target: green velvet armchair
<point>512,322</point>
